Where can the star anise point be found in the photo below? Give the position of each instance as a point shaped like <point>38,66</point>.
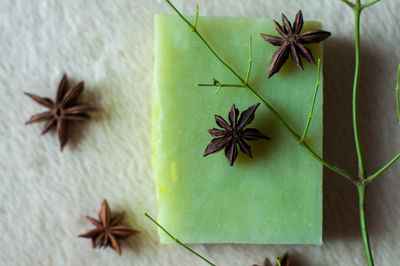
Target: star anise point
<point>64,108</point>
<point>107,231</point>
<point>292,42</point>
<point>234,134</point>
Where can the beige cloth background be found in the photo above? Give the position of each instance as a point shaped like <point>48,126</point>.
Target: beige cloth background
<point>45,194</point>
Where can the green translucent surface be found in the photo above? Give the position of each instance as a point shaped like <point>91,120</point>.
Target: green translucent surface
<point>275,197</point>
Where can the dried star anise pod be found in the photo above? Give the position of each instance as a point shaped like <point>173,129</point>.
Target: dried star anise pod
<point>284,260</point>
<point>292,42</point>
<point>234,134</point>
<point>107,231</point>
<point>62,110</point>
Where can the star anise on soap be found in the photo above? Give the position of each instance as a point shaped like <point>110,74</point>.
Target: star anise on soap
<point>62,110</point>
<point>234,134</point>
<point>107,231</point>
<point>284,260</point>
<point>292,42</point>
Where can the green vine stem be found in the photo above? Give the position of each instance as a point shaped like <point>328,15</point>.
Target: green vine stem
<point>350,4</point>
<point>363,222</point>
<point>361,180</point>
<point>250,59</point>
<point>197,17</point>
<point>177,240</point>
<point>357,8</point>
<point>370,3</point>
<point>219,85</point>
<point>380,171</point>
<point>313,102</point>
<point>361,166</point>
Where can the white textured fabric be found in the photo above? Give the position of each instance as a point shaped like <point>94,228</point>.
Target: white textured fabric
<point>45,194</point>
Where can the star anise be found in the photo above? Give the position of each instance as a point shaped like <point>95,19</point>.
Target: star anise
<point>234,134</point>
<point>62,110</point>
<point>107,231</point>
<point>284,260</point>
<point>292,42</point>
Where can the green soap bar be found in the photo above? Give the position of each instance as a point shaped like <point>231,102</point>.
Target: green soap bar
<point>276,197</point>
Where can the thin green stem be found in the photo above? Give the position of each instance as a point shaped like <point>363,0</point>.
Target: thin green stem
<point>250,59</point>
<point>350,4</point>
<point>370,3</point>
<point>177,240</point>
<point>364,231</point>
<point>361,165</point>
<point>180,15</point>
<point>380,171</point>
<point>397,93</point>
<point>197,18</point>
<point>313,102</point>
<point>335,169</point>
<point>278,261</point>
<point>221,85</point>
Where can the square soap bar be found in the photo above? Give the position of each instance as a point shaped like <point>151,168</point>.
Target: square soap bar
<point>276,197</point>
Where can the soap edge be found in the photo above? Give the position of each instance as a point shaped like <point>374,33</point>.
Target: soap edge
<point>155,115</point>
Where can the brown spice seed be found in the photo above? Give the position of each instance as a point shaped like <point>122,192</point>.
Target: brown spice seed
<point>63,109</point>
<point>107,231</point>
<point>234,134</point>
<point>292,42</point>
